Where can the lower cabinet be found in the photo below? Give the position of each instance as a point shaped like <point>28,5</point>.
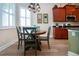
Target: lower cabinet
<point>60,33</point>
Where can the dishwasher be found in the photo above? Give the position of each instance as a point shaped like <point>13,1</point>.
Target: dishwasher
<point>73,40</point>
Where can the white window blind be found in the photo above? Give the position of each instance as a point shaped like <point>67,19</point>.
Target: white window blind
<point>8,14</point>
<point>25,19</point>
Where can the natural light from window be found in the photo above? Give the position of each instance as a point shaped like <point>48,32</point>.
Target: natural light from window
<point>7,14</point>
<point>25,19</point>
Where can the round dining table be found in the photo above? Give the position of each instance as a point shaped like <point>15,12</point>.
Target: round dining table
<point>39,32</point>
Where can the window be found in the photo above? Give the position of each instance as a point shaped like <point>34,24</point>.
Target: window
<point>25,19</point>
<point>8,14</point>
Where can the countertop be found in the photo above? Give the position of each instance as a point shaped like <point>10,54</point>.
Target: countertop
<point>73,29</point>
<point>69,28</point>
<point>65,26</point>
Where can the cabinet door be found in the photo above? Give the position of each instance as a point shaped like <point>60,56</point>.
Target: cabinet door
<point>59,14</point>
<point>70,10</point>
<point>64,33</point>
<point>77,14</point>
<point>57,33</point>
<point>60,33</point>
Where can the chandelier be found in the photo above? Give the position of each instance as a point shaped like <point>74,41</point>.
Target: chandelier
<point>34,7</point>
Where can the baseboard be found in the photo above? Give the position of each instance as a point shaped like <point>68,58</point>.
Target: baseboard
<point>72,54</point>
<point>7,45</point>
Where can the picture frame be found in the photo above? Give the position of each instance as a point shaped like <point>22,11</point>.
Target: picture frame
<point>39,18</point>
<point>45,18</point>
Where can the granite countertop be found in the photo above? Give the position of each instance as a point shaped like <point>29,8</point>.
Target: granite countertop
<point>66,26</point>
<point>74,29</point>
<point>70,28</point>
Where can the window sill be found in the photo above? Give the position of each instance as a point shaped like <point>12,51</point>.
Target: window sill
<point>6,27</point>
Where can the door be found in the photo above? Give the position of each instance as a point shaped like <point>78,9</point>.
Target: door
<point>77,14</point>
<point>73,40</point>
<point>57,33</point>
<point>70,9</point>
<point>64,33</point>
<point>58,14</point>
<point>60,33</point>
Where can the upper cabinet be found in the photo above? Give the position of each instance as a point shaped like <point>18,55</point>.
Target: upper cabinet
<point>70,9</point>
<point>67,13</point>
<point>59,14</point>
<point>77,14</point>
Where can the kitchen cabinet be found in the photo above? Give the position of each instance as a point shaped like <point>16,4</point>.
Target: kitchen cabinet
<point>77,14</point>
<point>58,14</point>
<point>60,33</point>
<point>70,9</point>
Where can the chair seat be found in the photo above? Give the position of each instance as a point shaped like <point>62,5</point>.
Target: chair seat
<point>43,38</point>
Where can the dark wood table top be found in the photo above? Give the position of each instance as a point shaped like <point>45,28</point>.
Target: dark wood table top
<point>39,33</point>
<point>36,33</point>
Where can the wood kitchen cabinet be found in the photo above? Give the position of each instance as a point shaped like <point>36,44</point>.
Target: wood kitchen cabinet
<point>56,33</point>
<point>58,14</point>
<point>60,33</point>
<point>77,14</point>
<point>70,9</point>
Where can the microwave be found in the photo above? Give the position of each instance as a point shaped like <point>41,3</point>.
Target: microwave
<point>70,18</point>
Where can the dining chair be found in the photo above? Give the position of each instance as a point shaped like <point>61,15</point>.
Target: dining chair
<point>47,37</point>
<point>30,41</point>
<point>20,36</point>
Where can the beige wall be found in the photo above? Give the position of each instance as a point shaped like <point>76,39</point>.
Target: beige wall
<point>7,35</point>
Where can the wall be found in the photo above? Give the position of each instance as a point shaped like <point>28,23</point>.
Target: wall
<point>7,37</point>
<point>0,16</point>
